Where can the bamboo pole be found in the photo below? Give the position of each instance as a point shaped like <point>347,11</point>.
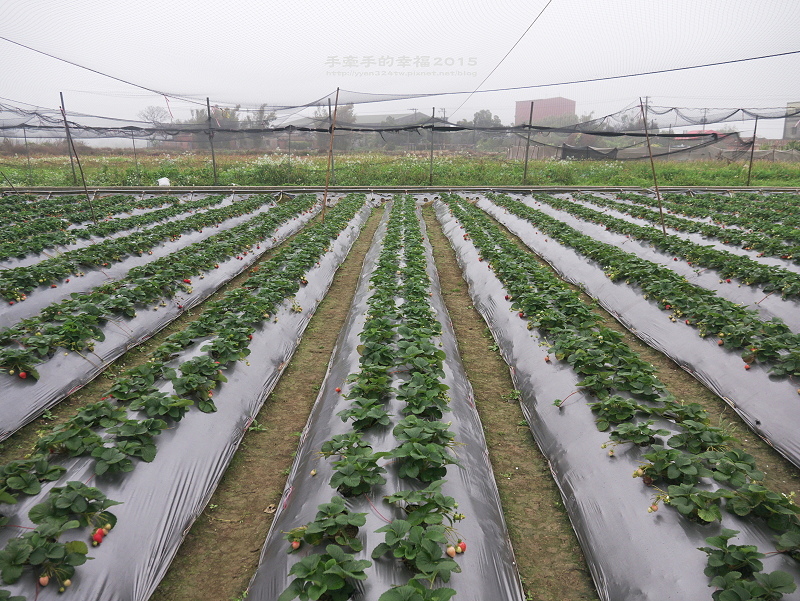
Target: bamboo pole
<point>653,166</point>
<point>330,154</point>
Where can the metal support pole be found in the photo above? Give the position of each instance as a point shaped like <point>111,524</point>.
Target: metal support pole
<point>69,141</point>
<point>527,147</point>
<point>28,155</point>
<point>211,140</point>
<point>433,119</point>
<point>653,167</point>
<point>752,151</point>
<point>330,154</point>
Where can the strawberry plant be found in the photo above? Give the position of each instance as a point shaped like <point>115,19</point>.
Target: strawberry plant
<point>673,466</point>
<point>74,502</point>
<point>615,410</point>
<point>415,590</point>
<point>736,570</point>
<point>697,504</point>
<point>427,506</point>
<point>161,405</point>
<point>698,437</point>
<point>40,550</point>
<point>776,509</point>
<point>734,467</point>
<point>641,434</point>
<point>356,474</point>
<point>365,413</point>
<point>325,577</point>
<point>420,548</point>
<point>336,523</point>
<point>24,476</point>
<point>724,557</point>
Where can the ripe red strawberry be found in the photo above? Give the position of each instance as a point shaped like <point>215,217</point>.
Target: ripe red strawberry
<point>97,537</point>
<point>187,281</point>
<point>23,375</point>
<point>728,280</point>
<point>462,545</point>
<point>295,544</point>
<point>338,389</point>
<point>547,358</point>
<point>10,302</point>
<point>747,366</point>
<point>508,297</point>
<point>53,286</point>
<point>720,342</point>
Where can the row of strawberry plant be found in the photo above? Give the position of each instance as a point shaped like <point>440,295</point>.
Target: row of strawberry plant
<point>697,453</point>
<point>753,212</point>
<point>16,282</point>
<point>34,238</point>
<point>394,338</point>
<point>74,210</point>
<point>228,325</point>
<point>75,324</point>
<point>736,327</point>
<point>748,240</point>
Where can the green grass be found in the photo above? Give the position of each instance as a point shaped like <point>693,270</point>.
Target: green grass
<point>188,169</point>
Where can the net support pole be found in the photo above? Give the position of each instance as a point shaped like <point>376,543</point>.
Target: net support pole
<point>330,120</point>
<point>289,130</point>
<point>211,140</point>
<point>330,154</point>
<point>78,161</point>
<point>527,147</point>
<point>69,141</point>
<point>752,151</point>
<point>28,155</point>
<point>653,167</point>
<point>430,171</point>
<point>9,183</point>
<point>136,160</point>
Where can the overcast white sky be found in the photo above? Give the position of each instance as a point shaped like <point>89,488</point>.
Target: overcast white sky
<point>251,52</point>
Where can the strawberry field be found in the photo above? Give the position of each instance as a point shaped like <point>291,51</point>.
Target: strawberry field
<point>391,495</point>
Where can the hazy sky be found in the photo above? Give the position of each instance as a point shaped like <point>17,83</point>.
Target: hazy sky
<point>251,52</point>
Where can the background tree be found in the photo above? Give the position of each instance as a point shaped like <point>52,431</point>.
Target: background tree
<point>258,119</point>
